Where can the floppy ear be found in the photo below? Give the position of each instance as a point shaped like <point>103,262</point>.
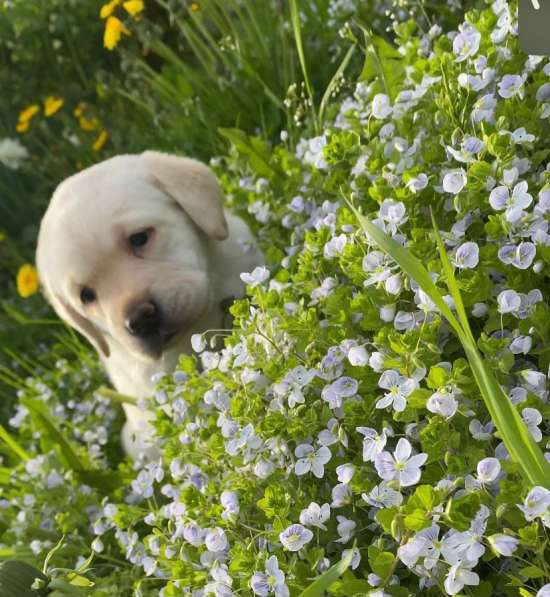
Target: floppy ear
<point>193,185</point>
<point>83,325</point>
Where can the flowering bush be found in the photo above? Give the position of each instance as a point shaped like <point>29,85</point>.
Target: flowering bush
<point>341,421</point>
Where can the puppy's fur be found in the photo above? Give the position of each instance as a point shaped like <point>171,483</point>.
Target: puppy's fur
<point>139,305</point>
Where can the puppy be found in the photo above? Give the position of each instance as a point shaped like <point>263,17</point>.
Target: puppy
<point>137,253</point>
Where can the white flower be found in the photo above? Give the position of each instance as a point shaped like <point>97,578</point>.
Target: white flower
<point>198,342</point>
<point>215,540</point>
<point>466,43</point>
<point>532,419</point>
<point>418,183</point>
<point>509,301</point>
<point>273,581</point>
<point>514,204</point>
<point>510,85</point>
<point>381,107</point>
<point>454,181</point>
<point>358,356</point>
<point>544,591</point>
<point>466,256</point>
<point>536,503</point>
<point>345,529</point>
<point>295,537</point>
<point>399,388</point>
<point>383,496</point>
<point>292,385</point>
<point>315,515</point>
<point>335,246</point>
<point>393,213</point>
<point>488,470</point>
<point>343,387</point>
<point>504,545</point>
<point>373,442</point>
<point>460,575</point>
<point>311,460</point>
<point>259,275</point>
<point>12,153</point>
<point>97,545</point>
<point>520,256</point>
<point>193,534</point>
<point>400,465</point>
<point>345,472</point>
<point>442,403</point>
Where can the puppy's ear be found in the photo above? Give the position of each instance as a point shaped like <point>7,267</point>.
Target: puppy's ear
<point>83,325</point>
<point>193,185</point>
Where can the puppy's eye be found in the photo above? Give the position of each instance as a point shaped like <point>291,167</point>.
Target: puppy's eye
<point>87,295</point>
<point>139,239</point>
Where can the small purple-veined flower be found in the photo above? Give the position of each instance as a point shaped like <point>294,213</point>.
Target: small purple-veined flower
<point>358,356</point>
<point>510,85</point>
<point>513,204</point>
<point>345,529</point>
<point>270,582</point>
<point>454,181</point>
<point>295,537</point>
<point>460,574</point>
<point>311,460</point>
<point>381,107</point>
<point>509,301</point>
<point>373,442</point>
<point>400,465</point>
<point>443,402</point>
<point>215,540</point>
<point>532,419</point>
<point>399,388</point>
<point>343,387</point>
<point>488,469</point>
<point>466,256</point>
<point>544,591</point>
<point>466,43</point>
<point>383,496</point>
<point>503,545</point>
<point>520,256</point>
<point>536,503</point>
<point>259,275</point>
<point>315,515</point>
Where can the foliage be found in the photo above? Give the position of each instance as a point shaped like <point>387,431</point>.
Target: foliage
<point>342,424</point>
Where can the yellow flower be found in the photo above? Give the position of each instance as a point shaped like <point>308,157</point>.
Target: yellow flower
<point>25,117</point>
<point>100,141</point>
<point>52,105</point>
<point>108,9</point>
<point>27,280</point>
<point>22,127</point>
<point>28,113</point>
<point>88,124</point>
<point>195,6</point>
<point>114,28</point>
<point>133,7</point>
<point>3,236</point>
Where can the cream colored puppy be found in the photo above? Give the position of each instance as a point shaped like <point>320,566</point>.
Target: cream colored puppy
<point>137,253</point>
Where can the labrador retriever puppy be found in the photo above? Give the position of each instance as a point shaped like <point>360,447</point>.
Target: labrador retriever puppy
<point>137,253</point>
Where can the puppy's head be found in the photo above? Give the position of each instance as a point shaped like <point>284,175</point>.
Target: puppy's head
<point>122,250</point>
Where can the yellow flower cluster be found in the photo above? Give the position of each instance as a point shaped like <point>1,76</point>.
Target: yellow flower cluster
<point>25,117</point>
<point>52,104</point>
<point>114,27</point>
<point>27,280</point>
<point>90,124</point>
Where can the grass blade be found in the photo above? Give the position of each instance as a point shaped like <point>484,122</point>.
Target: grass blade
<point>319,586</point>
<point>13,445</point>
<point>515,435</point>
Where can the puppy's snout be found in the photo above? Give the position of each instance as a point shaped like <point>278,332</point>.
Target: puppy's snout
<point>144,320</point>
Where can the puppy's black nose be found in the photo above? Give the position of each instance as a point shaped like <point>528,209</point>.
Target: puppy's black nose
<point>144,320</point>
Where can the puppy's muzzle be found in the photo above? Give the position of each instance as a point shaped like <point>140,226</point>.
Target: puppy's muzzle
<point>144,321</point>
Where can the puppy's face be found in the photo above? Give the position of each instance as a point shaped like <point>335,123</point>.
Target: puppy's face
<point>122,250</point>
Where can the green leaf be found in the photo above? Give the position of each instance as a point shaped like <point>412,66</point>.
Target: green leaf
<point>517,439</point>
<point>322,584</point>
<point>13,445</point>
<point>382,61</point>
<point>532,572</point>
<point>252,148</point>
<point>381,562</point>
<point>16,579</point>
<point>51,437</point>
